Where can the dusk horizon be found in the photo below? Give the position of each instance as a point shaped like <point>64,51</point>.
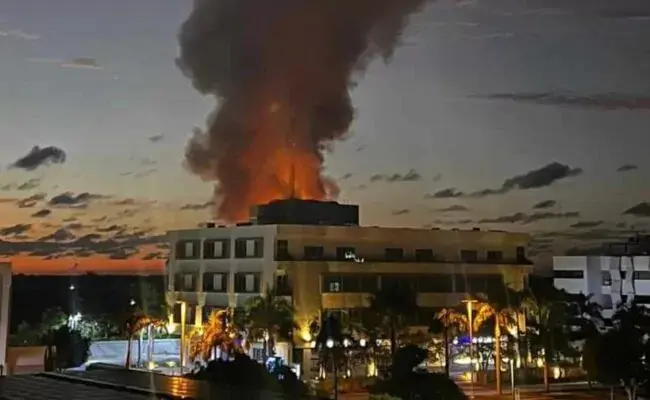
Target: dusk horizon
<point>497,115</point>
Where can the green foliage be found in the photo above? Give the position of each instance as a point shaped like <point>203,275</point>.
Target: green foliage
<point>395,305</point>
<point>621,356</point>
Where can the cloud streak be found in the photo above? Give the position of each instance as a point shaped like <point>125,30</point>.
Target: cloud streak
<point>411,176</point>
<point>600,101</point>
<point>524,218</point>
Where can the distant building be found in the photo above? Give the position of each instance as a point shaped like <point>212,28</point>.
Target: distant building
<point>317,254</point>
<point>620,274</point>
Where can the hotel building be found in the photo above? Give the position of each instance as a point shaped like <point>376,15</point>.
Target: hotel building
<point>317,254</point>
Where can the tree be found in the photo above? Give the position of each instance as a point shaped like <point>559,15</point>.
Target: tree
<point>622,355</point>
<point>134,325</point>
<point>501,306</point>
<point>270,318</point>
<point>448,322</point>
<point>217,332</point>
<point>395,305</point>
<point>546,309</point>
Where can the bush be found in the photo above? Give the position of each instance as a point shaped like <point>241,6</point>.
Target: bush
<point>248,376</point>
<point>405,383</point>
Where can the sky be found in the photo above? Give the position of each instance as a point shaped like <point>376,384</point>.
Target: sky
<point>529,116</point>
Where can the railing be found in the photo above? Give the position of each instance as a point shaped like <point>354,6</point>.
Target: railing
<point>409,260</point>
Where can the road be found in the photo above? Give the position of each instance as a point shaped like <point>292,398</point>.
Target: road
<point>564,391</point>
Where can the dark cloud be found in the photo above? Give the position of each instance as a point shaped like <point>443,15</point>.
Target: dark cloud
<point>524,218</point>
<point>42,213</point>
<point>112,228</point>
<point>125,202</point>
<point>345,177</point>
<point>601,101</point>
<point>535,179</point>
<point>437,177</point>
<point>31,201</point>
<point>29,184</point>
<point>544,204</point>
<point>639,210</point>
<point>201,206</point>
<point>627,167</point>
<point>68,199</point>
<point>61,243</point>
<point>60,235</point>
<point>360,187</point>
<point>142,174</point>
<point>14,230</point>
<point>454,208</point>
<point>587,224</point>
<point>448,193</point>
<point>403,211</point>
<point>411,176</point>
<point>40,157</point>
<point>156,138</point>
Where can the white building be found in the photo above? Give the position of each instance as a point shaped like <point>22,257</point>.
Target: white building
<point>610,279</point>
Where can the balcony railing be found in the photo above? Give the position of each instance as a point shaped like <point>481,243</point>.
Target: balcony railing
<point>410,260</point>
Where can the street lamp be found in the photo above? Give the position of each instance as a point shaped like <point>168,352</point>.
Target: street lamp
<point>330,345</point>
<point>470,327</point>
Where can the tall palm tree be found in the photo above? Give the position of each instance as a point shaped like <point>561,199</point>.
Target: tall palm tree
<point>501,306</point>
<point>395,305</point>
<point>546,309</point>
<point>447,322</point>
<point>270,318</point>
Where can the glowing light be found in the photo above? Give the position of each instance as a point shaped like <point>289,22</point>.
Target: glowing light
<point>557,373</point>
<point>329,343</point>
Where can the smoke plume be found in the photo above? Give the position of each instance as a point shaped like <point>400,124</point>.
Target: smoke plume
<point>281,72</point>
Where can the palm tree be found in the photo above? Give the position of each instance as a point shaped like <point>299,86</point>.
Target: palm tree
<point>269,317</point>
<point>217,332</point>
<point>135,325</point>
<point>502,308</point>
<point>446,323</point>
<point>546,310</point>
<point>394,305</point>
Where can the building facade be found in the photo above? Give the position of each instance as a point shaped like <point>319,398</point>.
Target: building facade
<point>609,279</point>
<point>336,267</point>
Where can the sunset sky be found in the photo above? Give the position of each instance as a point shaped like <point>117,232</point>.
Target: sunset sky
<point>526,116</point>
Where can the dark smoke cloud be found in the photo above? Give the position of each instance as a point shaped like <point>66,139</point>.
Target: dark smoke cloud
<point>627,167</point>
<point>40,156</point>
<point>281,71</point>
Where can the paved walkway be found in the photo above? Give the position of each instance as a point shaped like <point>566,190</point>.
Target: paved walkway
<point>565,391</point>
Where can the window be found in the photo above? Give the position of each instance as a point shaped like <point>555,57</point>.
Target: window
<point>394,254</point>
<point>345,253</point>
<point>435,283</point>
<point>314,252</point>
<point>469,255</point>
<point>331,283</point>
<point>187,249</point>
<point>606,278</point>
<point>215,282</point>
<point>495,255</point>
<point>282,250</point>
<point>188,283</point>
<point>568,274</point>
<point>216,248</point>
<point>642,275</point>
<point>246,282</point>
<point>521,253</point>
<point>423,255</point>
<point>282,285</point>
<point>249,248</point>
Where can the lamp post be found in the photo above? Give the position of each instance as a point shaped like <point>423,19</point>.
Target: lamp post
<point>470,328</point>
<point>182,346</point>
<point>330,345</point>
